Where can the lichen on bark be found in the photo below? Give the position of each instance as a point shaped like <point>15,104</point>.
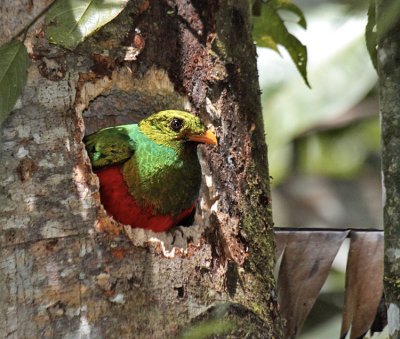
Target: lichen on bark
<point>389,88</point>
<point>61,276</point>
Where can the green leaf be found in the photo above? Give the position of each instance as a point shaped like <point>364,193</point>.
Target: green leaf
<point>13,65</point>
<point>291,7</point>
<point>269,30</point>
<point>69,22</point>
<point>268,42</point>
<point>209,329</point>
<point>371,37</point>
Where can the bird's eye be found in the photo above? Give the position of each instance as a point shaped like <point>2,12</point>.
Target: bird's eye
<point>176,124</point>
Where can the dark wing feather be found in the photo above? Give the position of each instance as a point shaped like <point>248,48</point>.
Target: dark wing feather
<point>109,146</point>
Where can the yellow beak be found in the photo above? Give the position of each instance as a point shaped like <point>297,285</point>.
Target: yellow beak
<point>207,138</point>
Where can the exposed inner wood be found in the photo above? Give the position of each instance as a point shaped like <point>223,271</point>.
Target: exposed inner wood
<point>65,268</point>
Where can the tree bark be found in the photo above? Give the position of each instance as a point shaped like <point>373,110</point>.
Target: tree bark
<point>66,268</point>
<point>388,28</point>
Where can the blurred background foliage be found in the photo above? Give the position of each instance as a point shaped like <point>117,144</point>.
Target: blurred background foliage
<point>323,142</point>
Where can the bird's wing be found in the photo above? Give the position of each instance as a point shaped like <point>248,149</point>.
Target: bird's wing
<point>109,146</point>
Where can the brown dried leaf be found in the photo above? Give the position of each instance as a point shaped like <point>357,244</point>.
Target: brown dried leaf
<point>280,242</point>
<point>307,258</point>
<point>364,282</point>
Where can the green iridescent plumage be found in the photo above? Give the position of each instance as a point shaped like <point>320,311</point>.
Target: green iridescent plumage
<point>159,162</point>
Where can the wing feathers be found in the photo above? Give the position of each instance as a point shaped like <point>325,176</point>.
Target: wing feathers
<point>109,146</point>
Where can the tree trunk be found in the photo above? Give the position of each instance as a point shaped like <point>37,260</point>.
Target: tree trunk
<point>388,26</point>
<point>66,268</point>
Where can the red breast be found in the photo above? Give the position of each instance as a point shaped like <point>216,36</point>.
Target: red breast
<point>119,203</point>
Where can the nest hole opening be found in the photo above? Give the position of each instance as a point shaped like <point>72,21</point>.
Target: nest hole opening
<point>111,102</point>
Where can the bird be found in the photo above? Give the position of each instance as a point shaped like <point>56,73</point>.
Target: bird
<point>149,173</point>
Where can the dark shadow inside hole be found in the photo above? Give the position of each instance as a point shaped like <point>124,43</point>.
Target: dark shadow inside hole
<point>189,220</point>
<point>181,291</point>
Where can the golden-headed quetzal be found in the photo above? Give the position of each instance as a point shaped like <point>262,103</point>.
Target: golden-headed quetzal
<point>149,172</point>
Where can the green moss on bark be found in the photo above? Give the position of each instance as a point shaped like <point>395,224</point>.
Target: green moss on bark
<point>389,86</point>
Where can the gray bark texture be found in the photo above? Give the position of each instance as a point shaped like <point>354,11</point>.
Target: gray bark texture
<point>67,270</point>
<point>388,25</point>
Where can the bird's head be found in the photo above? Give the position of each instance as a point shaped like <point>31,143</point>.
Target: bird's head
<point>176,127</point>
